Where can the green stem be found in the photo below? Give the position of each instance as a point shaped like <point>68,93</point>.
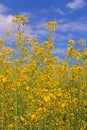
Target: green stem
<point>3,102</point>
<point>16,109</point>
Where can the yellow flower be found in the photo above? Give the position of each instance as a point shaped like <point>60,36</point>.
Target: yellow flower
<point>59,94</point>
<point>22,17</point>
<point>51,26</point>
<point>10,126</point>
<point>33,116</point>
<point>3,79</point>
<point>46,98</point>
<point>63,105</point>
<point>22,119</point>
<point>75,100</point>
<point>52,96</point>
<point>9,32</point>
<point>1,43</point>
<point>1,40</point>
<point>11,108</point>
<point>72,42</point>
<point>85,53</point>
<point>18,84</point>
<point>82,42</point>
<point>27,88</point>
<point>70,50</point>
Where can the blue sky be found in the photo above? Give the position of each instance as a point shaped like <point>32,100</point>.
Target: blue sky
<point>71,16</point>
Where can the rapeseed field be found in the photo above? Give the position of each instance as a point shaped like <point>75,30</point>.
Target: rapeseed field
<point>39,91</point>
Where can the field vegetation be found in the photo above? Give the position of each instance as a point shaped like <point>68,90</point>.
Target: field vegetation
<point>39,91</point>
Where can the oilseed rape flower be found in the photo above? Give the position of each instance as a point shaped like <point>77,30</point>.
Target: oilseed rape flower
<point>8,32</point>
<point>18,18</point>
<point>39,90</point>
<point>1,40</point>
<point>1,43</point>
<point>3,79</point>
<point>82,42</point>
<point>85,53</point>
<point>71,42</point>
<point>51,26</point>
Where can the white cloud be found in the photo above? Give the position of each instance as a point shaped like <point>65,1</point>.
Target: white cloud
<point>76,4</point>
<point>62,20</point>
<point>28,14</point>
<point>6,23</point>
<point>43,10</point>
<point>59,51</point>
<point>62,37</point>
<point>3,8</point>
<point>37,30</point>
<point>59,11</point>
<point>80,26</point>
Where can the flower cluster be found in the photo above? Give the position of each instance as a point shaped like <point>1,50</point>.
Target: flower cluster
<point>39,91</point>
